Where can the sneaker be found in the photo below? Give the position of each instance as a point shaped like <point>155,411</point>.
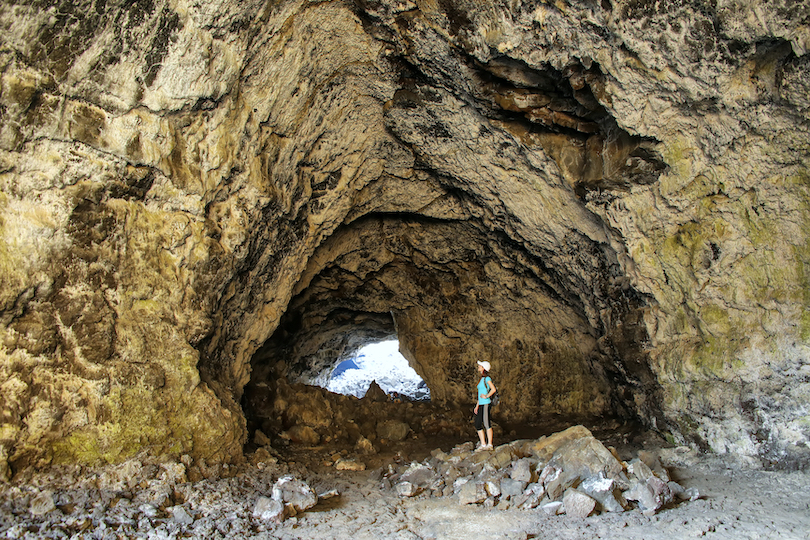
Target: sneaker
<point>480,447</point>
<point>487,447</point>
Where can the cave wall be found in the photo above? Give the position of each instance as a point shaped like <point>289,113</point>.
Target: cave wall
<point>630,179</point>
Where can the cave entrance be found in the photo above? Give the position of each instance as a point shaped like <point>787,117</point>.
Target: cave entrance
<point>381,362</point>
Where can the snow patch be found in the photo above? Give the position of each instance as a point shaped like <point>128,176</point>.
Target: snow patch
<point>379,362</point>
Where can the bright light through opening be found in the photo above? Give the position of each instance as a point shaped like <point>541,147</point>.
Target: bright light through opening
<point>379,362</point>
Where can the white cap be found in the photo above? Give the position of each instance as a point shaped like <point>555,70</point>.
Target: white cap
<point>485,365</point>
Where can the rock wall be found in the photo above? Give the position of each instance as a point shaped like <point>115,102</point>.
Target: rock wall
<point>608,200</point>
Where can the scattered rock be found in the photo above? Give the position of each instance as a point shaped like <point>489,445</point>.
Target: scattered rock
<point>576,470</point>
<point>364,446</point>
<point>260,438</point>
<point>295,493</point>
<point>181,516</point>
<point>472,493</point>
<point>393,430</point>
<point>268,509</point>
<point>349,464</point>
<point>42,503</point>
<point>578,504</point>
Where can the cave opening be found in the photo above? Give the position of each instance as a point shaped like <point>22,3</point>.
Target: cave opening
<point>379,362</point>
<point>446,294</point>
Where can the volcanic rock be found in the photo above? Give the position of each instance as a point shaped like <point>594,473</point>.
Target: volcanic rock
<point>393,430</point>
<point>295,493</point>
<point>580,473</point>
<point>200,200</point>
<point>375,393</point>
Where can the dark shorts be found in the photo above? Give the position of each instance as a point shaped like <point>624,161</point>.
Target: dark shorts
<point>482,418</point>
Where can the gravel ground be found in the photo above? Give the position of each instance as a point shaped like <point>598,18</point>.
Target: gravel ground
<point>136,500</point>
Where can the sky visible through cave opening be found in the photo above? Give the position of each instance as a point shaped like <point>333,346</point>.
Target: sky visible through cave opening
<point>379,362</point>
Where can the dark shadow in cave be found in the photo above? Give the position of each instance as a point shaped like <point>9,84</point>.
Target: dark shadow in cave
<point>316,358</point>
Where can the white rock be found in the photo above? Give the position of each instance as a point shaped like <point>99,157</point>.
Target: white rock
<point>472,493</point>
<point>577,504</point>
<point>148,510</point>
<point>181,516</point>
<point>407,489</point>
<point>42,504</point>
<point>268,509</point>
<point>289,490</point>
<point>553,508</point>
<point>493,487</point>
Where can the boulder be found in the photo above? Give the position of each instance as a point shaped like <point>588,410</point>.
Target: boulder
<point>268,509</point>
<point>522,470</point>
<point>472,493</point>
<point>42,504</point>
<point>511,487</point>
<point>303,435</point>
<point>418,474</point>
<point>586,456</point>
<point>578,504</point>
<point>603,490</point>
<point>393,430</point>
<point>296,493</point>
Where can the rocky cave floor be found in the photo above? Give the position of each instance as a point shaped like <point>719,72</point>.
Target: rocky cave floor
<point>138,500</point>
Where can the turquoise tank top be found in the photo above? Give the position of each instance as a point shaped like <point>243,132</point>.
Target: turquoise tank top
<point>483,388</point>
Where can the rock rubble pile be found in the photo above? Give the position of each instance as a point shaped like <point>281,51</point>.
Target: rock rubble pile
<point>140,500</point>
<point>308,415</point>
<point>569,472</point>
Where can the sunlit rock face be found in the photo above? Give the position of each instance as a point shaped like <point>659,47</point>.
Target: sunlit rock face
<point>606,200</point>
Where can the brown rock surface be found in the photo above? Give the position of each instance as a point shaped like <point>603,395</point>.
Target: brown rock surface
<point>606,200</point>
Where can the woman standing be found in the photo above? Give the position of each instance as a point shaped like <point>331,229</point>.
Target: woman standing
<point>485,390</point>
